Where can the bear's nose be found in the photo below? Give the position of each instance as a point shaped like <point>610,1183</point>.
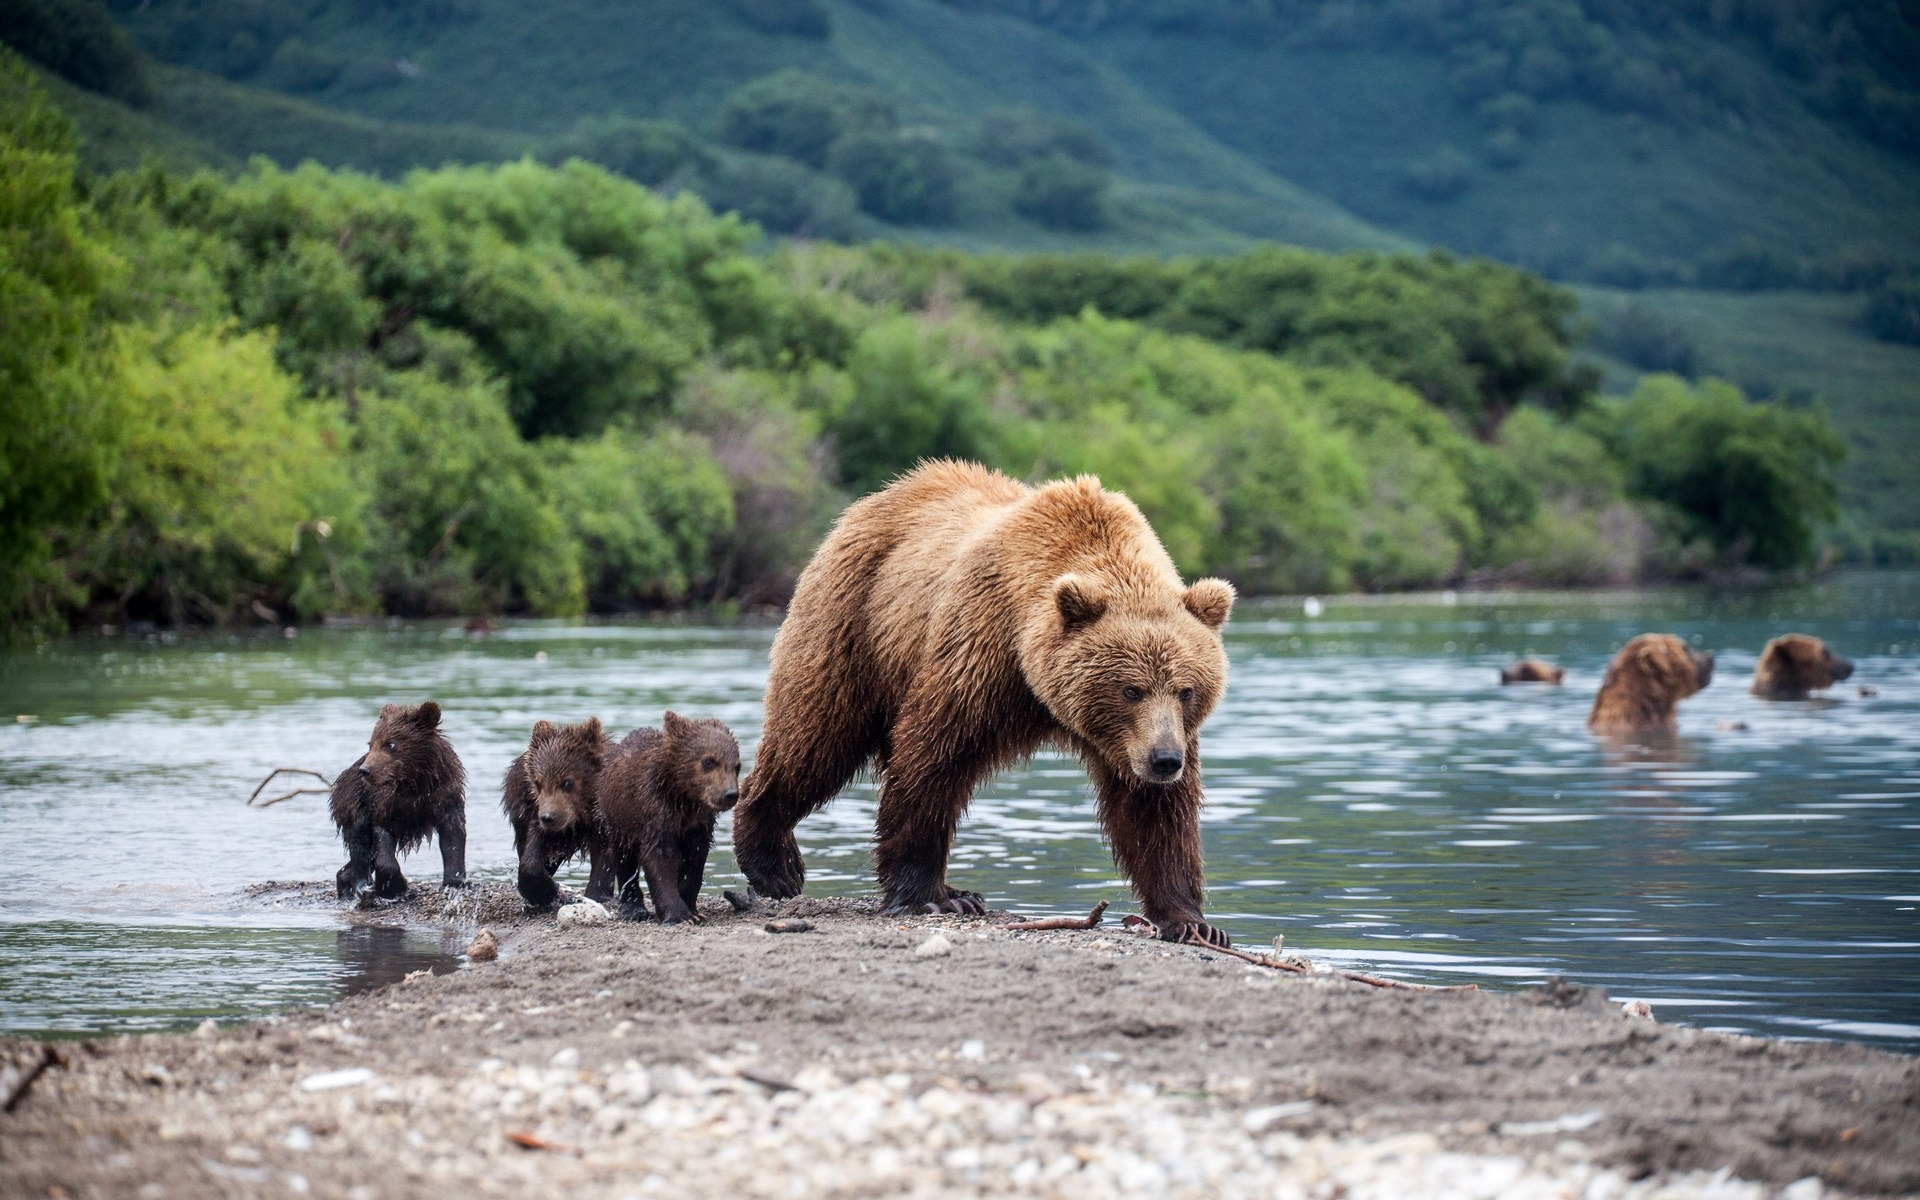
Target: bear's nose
<point>548,817</point>
<point>1842,667</point>
<point>729,798</point>
<point>1164,764</point>
<point>1703,662</point>
<point>364,769</point>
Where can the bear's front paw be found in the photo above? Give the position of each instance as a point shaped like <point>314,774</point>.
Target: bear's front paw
<point>943,900</point>
<point>1196,933</point>
<point>453,881</point>
<point>350,883</point>
<point>633,908</point>
<point>537,889</point>
<point>679,916</point>
<point>389,884</point>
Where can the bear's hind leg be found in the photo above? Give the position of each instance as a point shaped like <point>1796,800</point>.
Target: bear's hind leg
<point>694,846</point>
<point>602,877</point>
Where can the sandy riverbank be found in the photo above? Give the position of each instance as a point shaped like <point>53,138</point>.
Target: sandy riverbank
<point>723,1060</point>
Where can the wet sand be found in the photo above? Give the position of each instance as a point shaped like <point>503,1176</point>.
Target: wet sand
<point>854,1059</point>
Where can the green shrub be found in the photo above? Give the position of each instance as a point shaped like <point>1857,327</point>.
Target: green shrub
<point>905,178</point>
<point>1061,193</point>
<point>1013,137</point>
<point>1754,480</point>
<point>78,41</point>
<point>459,515</point>
<point>913,392</point>
<point>645,151</point>
<point>800,116</point>
<point>647,511</point>
<point>224,477</point>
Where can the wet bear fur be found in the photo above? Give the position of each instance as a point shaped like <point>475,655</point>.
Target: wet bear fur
<point>1795,664</point>
<point>550,796</point>
<point>956,622</point>
<point>1645,681</point>
<point>660,794</point>
<point>1532,670</point>
<point>408,786</point>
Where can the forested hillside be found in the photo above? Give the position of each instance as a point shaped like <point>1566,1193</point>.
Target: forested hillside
<point>542,389</point>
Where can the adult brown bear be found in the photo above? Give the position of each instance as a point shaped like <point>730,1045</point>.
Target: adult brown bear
<point>958,621</point>
<point>1645,681</point>
<point>1533,670</point>
<point>1795,664</point>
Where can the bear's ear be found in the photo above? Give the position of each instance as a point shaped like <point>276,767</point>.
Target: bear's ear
<point>1079,600</point>
<point>427,716</point>
<point>543,731</point>
<point>1210,600</point>
<point>675,725</point>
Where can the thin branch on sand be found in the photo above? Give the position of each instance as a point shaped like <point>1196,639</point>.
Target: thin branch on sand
<point>1090,921</point>
<point>1281,964</point>
<point>279,771</point>
<point>18,1092</point>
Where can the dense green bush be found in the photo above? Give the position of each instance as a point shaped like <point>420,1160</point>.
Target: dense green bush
<point>1063,193</point>
<point>1755,480</point>
<point>1014,137</point>
<point>800,116</point>
<point>905,178</point>
<point>77,40</point>
<point>546,389</point>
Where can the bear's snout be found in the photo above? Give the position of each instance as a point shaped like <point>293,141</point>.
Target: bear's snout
<point>1165,762</point>
<point>730,797</point>
<point>1842,667</point>
<point>1703,665</point>
<point>549,818</point>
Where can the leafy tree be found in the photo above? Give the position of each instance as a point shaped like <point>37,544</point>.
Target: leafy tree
<point>799,115</point>
<point>1013,137</point>
<point>905,178</point>
<point>912,395</point>
<point>78,40</point>
<point>647,511</point>
<point>224,475</point>
<point>1063,193</point>
<point>1756,480</point>
<point>61,430</point>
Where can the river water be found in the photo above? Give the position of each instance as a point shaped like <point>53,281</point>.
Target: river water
<point>1373,794</point>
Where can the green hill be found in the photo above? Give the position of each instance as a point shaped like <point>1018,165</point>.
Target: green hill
<point>1750,168</point>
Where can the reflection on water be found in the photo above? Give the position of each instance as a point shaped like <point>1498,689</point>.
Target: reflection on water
<point>1373,794</point>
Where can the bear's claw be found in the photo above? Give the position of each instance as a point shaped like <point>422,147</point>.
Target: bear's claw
<point>1195,933</point>
<point>966,904</point>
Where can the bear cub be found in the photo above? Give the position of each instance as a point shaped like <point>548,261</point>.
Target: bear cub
<point>659,796</point>
<point>407,787</point>
<point>551,798</point>
<point>1533,670</point>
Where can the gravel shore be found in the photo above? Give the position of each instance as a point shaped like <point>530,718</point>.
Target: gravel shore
<point>939,1056</point>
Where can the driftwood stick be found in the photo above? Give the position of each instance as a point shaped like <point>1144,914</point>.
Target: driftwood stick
<point>48,1057</point>
<point>279,771</point>
<point>1091,920</point>
<point>1379,981</point>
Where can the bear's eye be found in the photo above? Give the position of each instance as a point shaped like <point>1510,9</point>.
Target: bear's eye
<point>566,785</point>
<point>1186,695</point>
<point>1133,694</point>
<point>389,747</point>
<point>708,764</point>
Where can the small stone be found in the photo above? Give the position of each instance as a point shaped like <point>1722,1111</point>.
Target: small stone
<point>484,948</point>
<point>565,1059</point>
<point>973,1050</point>
<point>1639,1010</point>
<point>206,1028</point>
<point>327,1081</point>
<point>1260,1120</point>
<point>583,912</point>
<point>789,925</point>
<point>298,1138</point>
<point>936,946</point>
<point>1809,1188</point>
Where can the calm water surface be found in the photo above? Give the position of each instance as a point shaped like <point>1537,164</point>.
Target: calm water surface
<point>1373,794</point>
